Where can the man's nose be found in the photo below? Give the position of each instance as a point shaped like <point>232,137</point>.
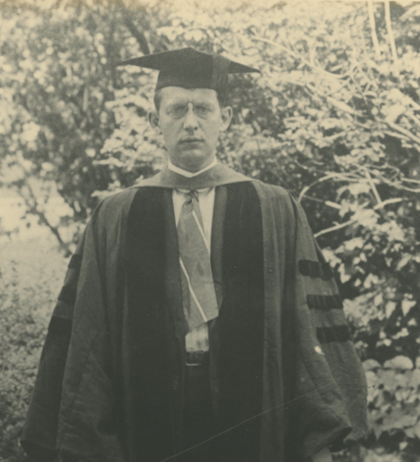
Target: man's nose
<point>190,121</point>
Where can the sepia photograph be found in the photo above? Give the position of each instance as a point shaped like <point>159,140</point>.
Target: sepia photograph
<point>209,231</point>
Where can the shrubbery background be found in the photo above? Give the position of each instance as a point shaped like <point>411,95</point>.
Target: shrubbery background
<point>30,276</point>
<point>334,116</point>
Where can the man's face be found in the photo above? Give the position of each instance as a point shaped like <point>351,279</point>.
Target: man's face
<point>190,121</point>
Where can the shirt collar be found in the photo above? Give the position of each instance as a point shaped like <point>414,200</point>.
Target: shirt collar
<point>187,174</point>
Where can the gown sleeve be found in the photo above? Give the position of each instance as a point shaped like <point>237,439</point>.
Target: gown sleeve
<point>330,384</point>
<point>72,411</point>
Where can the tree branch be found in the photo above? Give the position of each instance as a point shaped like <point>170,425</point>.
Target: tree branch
<point>35,209</point>
<point>403,131</point>
<point>389,30</point>
<point>373,188</point>
<point>373,28</point>
<point>43,218</point>
<point>410,180</point>
<point>334,102</point>
<point>128,22</point>
<point>397,186</point>
<point>388,201</point>
<point>335,228</point>
<point>329,176</point>
<point>301,58</point>
<point>320,201</point>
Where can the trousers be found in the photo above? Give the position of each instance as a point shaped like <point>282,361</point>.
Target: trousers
<point>200,442</point>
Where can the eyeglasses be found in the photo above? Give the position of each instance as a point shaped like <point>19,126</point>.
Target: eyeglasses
<point>181,110</point>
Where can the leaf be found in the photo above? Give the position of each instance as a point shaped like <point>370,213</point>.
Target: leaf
<point>399,363</point>
<point>416,429</point>
<point>406,305</point>
<point>389,309</point>
<point>371,364</point>
<point>355,243</point>
<point>404,260</point>
<point>197,35</point>
<point>414,379</point>
<point>378,300</point>
<point>387,379</point>
<point>393,112</point>
<point>397,420</point>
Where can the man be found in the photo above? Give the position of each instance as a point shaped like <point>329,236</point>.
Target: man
<point>198,320</point>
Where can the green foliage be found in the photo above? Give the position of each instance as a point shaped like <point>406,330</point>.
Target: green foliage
<point>25,307</point>
<point>333,117</point>
<point>394,403</point>
<point>58,76</point>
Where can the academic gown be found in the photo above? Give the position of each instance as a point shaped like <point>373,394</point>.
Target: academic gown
<point>285,378</point>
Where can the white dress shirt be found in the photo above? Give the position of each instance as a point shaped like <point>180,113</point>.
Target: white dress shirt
<point>197,339</point>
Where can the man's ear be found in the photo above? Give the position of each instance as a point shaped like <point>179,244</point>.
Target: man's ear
<point>227,113</point>
<point>153,117</point>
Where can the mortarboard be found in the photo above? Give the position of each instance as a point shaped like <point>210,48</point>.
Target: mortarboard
<point>189,68</point>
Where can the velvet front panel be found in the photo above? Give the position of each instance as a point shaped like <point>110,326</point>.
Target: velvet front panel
<point>239,327</point>
<point>147,369</point>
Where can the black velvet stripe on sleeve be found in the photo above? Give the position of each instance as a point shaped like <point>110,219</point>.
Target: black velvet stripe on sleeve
<point>324,302</point>
<point>75,261</point>
<point>68,294</point>
<point>241,322</point>
<point>333,334</point>
<point>314,269</point>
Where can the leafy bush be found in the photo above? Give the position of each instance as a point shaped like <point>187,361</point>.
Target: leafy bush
<point>394,403</point>
<point>29,284</point>
<point>394,413</point>
<point>334,116</point>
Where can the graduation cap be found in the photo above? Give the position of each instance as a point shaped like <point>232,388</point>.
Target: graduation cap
<point>189,68</point>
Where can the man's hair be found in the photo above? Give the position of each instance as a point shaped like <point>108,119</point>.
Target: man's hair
<point>222,98</point>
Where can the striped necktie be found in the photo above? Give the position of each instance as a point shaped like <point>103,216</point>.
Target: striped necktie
<point>198,292</point>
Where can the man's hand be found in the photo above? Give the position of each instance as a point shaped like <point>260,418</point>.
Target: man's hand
<point>322,456</point>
